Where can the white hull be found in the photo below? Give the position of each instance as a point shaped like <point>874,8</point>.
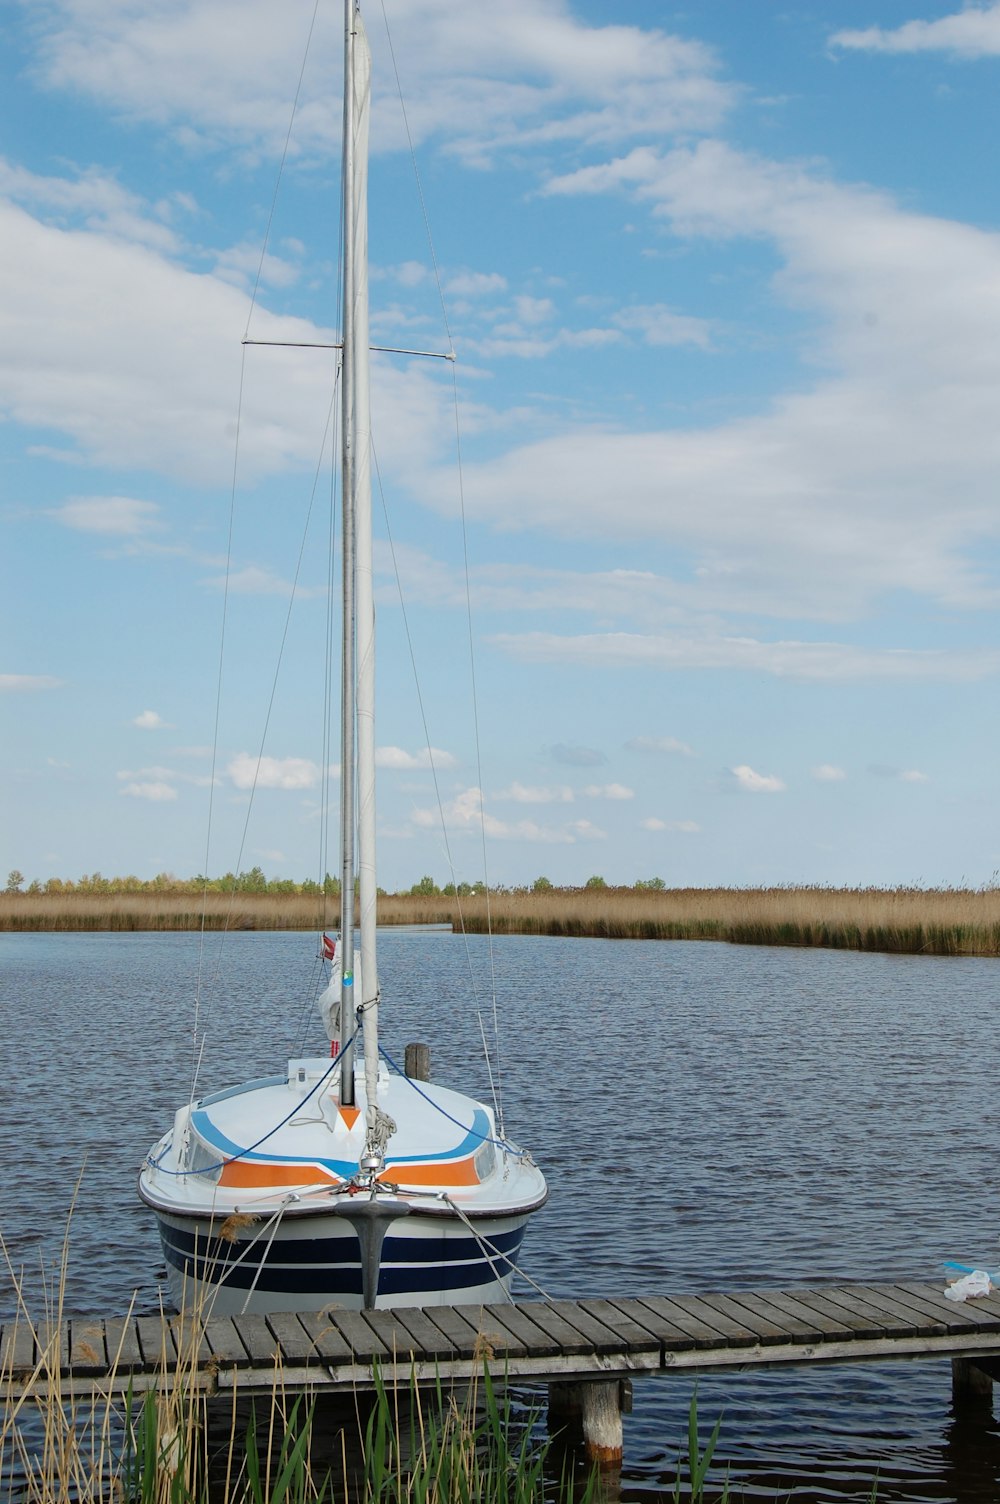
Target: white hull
<point>312,1262</point>
<point>260,1218</point>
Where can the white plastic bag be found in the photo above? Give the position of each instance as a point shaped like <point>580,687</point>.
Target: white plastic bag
<point>976,1283</point>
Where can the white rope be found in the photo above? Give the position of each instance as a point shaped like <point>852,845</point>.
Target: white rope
<point>486,1246</point>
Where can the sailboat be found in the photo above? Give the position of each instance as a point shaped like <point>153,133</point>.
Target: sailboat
<point>340,1182</point>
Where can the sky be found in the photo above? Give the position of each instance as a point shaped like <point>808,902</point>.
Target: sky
<point>723,285</point>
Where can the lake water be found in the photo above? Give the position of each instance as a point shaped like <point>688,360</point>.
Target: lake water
<point>706,1116</point>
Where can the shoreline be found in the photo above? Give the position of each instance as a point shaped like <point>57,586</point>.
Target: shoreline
<point>912,921</point>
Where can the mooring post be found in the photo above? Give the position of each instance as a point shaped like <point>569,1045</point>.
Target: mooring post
<point>417,1062</point>
<point>591,1411</point>
<point>972,1382</point>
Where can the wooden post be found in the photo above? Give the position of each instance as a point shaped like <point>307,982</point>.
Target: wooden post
<point>590,1411</point>
<point>417,1062</point>
<point>969,1381</point>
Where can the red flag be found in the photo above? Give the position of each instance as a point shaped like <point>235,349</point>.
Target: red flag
<point>329,948</point>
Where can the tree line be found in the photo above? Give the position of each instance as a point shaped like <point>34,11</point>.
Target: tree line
<point>255,880</point>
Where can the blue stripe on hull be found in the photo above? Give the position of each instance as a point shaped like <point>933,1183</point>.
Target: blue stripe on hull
<point>329,1266</point>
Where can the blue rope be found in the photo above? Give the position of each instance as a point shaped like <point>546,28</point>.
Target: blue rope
<point>486,1138</point>
<point>210,1169</point>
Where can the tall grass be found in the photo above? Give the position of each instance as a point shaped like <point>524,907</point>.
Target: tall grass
<point>110,1442</point>
<point>928,921</point>
<point>153,1447</point>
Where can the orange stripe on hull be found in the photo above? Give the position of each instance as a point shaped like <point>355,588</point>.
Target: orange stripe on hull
<point>459,1172</point>
<point>240,1173</point>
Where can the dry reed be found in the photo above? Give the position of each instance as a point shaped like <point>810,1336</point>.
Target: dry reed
<point>951,921</point>
<point>930,921</point>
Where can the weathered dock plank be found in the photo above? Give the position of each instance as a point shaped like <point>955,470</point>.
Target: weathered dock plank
<point>427,1341</point>
<point>88,1354</point>
<point>224,1340</point>
<point>743,1307</point>
<point>122,1343</point>
<point>603,1339</point>
<point>327,1341</point>
<point>296,1345</point>
<point>588,1340</point>
<point>700,1327</point>
<point>847,1318</point>
<point>17,1347</point>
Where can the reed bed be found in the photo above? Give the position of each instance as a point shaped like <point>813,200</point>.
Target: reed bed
<point>179,1442</point>
<point>923,921</point>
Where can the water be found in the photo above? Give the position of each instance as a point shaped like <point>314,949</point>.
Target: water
<point>706,1115</point>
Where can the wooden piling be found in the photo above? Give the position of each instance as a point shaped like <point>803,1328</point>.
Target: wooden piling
<point>590,1415</point>
<point>417,1061</point>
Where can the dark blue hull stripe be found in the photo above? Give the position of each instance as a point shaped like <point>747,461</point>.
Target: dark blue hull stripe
<point>329,1266</point>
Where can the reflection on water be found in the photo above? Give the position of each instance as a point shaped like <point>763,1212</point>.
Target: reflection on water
<point>707,1116</point>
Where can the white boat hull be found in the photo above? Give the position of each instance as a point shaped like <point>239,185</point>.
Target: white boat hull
<point>312,1261</point>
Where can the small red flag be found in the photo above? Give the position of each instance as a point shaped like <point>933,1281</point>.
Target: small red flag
<point>329,948</point>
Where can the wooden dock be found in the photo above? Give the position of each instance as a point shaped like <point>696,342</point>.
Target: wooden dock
<point>562,1340</point>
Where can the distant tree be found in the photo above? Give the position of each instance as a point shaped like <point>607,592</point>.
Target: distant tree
<point>595,882</point>
<point>650,885</point>
<point>15,881</point>
<point>425,888</point>
<point>253,881</point>
<point>541,885</point>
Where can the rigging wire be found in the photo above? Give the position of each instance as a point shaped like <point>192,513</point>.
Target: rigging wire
<point>281,168</point>
<point>198,1050</point>
<point>498,1090</point>
<point>446,841</point>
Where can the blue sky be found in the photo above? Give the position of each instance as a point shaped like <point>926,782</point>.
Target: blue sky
<point>723,282</point>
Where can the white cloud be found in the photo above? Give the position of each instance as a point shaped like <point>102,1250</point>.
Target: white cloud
<point>256,580</point>
<point>121,516</point>
<point>427,757</point>
<point>468,284</point>
<point>659,744</point>
<point>487,78</point>
<point>903,775</point>
<point>684,827</point>
<point>903,318</point>
<point>521,793</point>
<point>827,772</point>
<point>756,783</point>
<point>156,793</point>
<point>660,325</point>
<point>28,683</point>
<point>467,812</point>
<point>970,33</point>
<point>245,772</point>
<point>829,661</point>
<point>608,791</point>
<point>577,757</point>
<point>151,720</point>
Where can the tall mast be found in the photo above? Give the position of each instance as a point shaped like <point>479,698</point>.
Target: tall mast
<point>358,777</point>
<point>347,681</point>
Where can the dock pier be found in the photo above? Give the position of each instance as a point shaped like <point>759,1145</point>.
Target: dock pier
<point>587,1351</point>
